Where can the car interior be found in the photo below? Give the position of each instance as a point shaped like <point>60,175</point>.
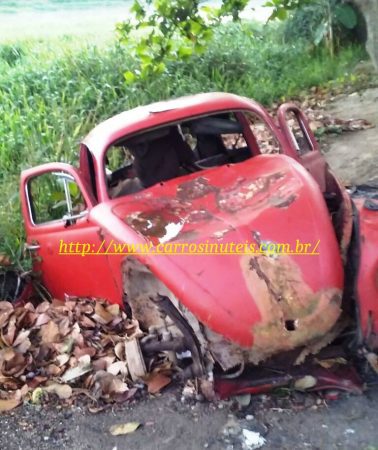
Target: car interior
<point>158,155</point>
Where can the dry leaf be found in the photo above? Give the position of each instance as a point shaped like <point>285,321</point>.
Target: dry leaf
<point>110,384</point>
<point>37,396</point>
<point>21,337</point>
<point>62,359</point>
<point>4,260</point>
<point>306,382</point>
<point>113,309</point>
<point>102,315</point>
<point>124,428</point>
<point>43,307</point>
<point>118,367</point>
<point>156,382</point>
<point>78,352</point>
<point>7,405</point>
<point>63,391</point>
<point>119,350</point>
<point>330,362</point>
<point>50,332</point>
<point>372,358</point>
<point>83,367</point>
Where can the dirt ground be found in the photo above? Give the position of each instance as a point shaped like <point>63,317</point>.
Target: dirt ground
<point>354,156</point>
<point>303,422</point>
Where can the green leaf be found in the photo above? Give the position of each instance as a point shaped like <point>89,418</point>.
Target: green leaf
<point>281,14</point>
<point>74,189</point>
<point>185,52</point>
<point>160,68</point>
<point>129,77</point>
<point>195,27</point>
<point>138,10</point>
<point>320,33</point>
<point>146,59</point>
<point>346,15</point>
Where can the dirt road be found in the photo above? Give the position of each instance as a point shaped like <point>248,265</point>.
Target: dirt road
<point>168,423</point>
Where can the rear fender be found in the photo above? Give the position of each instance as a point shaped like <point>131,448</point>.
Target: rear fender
<point>367,278</point>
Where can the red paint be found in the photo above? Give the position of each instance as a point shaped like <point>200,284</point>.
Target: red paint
<point>367,283</point>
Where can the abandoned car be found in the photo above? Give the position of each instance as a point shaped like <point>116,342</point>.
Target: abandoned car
<point>214,169</point>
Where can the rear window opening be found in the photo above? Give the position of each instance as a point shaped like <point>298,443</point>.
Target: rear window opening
<point>138,162</point>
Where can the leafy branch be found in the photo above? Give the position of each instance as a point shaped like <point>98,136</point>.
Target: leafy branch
<point>160,31</point>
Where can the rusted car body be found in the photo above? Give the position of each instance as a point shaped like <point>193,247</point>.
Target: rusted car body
<point>193,170</point>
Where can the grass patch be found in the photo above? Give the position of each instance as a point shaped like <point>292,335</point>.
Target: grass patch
<point>50,97</point>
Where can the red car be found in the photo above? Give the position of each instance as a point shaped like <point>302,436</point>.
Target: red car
<point>204,170</point>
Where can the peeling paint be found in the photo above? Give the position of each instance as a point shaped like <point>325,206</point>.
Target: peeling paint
<point>196,188</point>
<point>244,193</point>
<point>156,224</point>
<point>292,314</point>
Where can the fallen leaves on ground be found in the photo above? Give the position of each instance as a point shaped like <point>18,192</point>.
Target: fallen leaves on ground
<point>320,122</point>
<point>66,349</point>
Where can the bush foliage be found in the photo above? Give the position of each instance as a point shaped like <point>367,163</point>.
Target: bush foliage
<point>50,100</point>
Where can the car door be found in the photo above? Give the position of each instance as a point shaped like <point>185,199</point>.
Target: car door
<point>64,243</point>
<point>301,139</point>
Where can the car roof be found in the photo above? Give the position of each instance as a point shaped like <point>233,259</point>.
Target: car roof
<point>160,113</point>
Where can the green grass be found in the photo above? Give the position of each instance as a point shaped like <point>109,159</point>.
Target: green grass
<point>52,95</point>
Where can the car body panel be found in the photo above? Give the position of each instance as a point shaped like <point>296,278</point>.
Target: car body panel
<point>206,208</point>
<point>367,281</point>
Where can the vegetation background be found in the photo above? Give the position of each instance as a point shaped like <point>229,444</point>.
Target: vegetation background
<point>62,70</point>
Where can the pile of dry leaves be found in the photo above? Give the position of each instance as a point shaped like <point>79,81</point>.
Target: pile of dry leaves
<point>67,349</point>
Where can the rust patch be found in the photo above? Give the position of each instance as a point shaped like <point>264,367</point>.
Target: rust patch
<point>193,189</point>
<point>199,215</point>
<point>292,315</point>
<point>227,354</point>
<point>247,193</point>
<point>282,202</point>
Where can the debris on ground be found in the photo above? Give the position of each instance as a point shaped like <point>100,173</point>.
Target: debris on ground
<point>67,349</point>
<point>252,440</point>
<point>124,428</point>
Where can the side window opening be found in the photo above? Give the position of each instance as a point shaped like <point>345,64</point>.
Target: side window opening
<point>298,134</point>
<point>54,196</point>
<point>265,139</point>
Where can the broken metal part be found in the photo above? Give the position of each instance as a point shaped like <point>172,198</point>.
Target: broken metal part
<point>190,338</point>
<point>151,346</point>
<point>150,304</point>
<point>261,380</point>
